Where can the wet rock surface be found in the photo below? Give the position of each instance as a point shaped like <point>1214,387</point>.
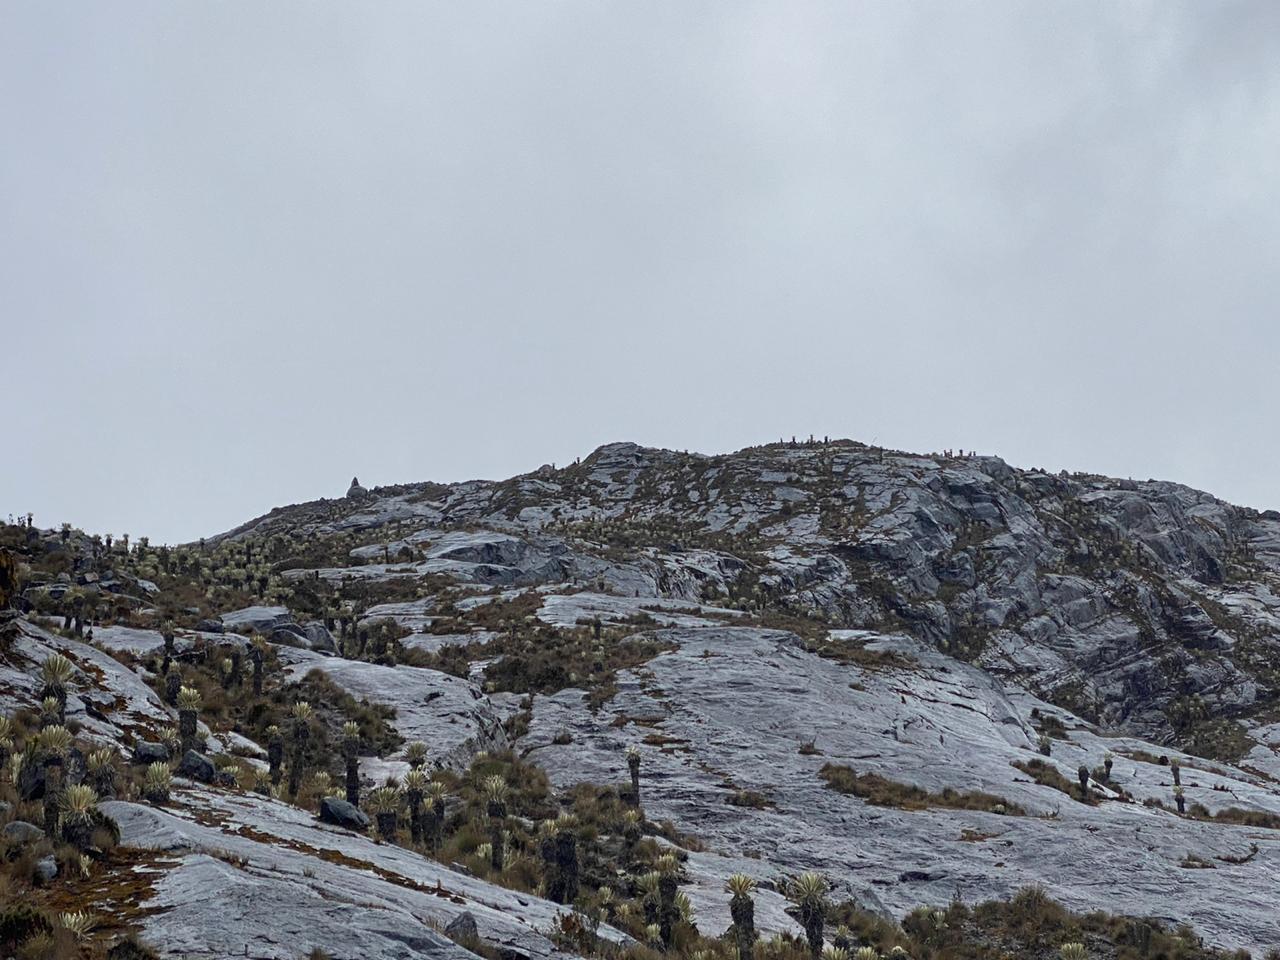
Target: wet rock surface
<point>108,699</point>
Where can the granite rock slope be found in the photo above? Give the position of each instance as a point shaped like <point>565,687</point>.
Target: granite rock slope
<point>1131,602</point>
<point>449,712</point>
<point>247,876</point>
<point>812,612</point>
<point>730,710</point>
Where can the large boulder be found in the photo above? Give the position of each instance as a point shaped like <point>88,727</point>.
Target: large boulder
<point>196,766</point>
<point>342,814</point>
<point>145,752</point>
<point>319,638</point>
<point>462,927</point>
<point>289,635</point>
<point>256,619</point>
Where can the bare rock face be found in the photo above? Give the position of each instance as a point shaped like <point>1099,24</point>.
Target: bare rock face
<point>729,713</point>
<point>105,697</point>
<point>232,875</point>
<point>256,619</point>
<point>451,715</point>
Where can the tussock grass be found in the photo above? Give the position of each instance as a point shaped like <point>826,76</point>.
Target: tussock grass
<point>881,792</point>
<point>1047,775</point>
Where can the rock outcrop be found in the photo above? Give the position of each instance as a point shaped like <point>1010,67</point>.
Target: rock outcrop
<point>731,710</point>
<point>237,873</point>
<point>1120,599</point>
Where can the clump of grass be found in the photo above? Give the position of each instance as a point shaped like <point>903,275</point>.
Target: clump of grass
<point>529,656</point>
<point>560,659</point>
<point>882,792</point>
<point>332,709</point>
<point>750,798</point>
<point>1244,818</point>
<point>854,652</point>
<point>1047,775</point>
<point>1218,738</point>
<point>1193,862</point>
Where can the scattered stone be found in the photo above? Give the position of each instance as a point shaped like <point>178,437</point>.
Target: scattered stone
<point>19,831</point>
<point>46,869</point>
<point>1015,585</point>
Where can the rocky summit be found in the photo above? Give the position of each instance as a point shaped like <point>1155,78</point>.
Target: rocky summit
<point>811,698</point>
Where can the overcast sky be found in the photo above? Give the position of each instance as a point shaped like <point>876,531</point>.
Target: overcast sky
<point>248,250</point>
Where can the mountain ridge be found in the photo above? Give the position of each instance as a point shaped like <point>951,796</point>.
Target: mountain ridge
<point>642,449</point>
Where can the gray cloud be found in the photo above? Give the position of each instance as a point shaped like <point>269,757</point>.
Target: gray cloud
<point>249,250</point>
